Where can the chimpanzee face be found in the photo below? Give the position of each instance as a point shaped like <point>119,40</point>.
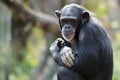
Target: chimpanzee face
<point>70,17</point>
<point>68,24</point>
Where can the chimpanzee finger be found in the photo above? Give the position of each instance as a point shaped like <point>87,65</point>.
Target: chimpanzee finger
<point>54,43</point>
<point>65,61</point>
<point>71,55</point>
<point>53,46</point>
<point>69,59</point>
<point>60,39</point>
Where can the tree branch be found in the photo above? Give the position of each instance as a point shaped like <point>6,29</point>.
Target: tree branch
<point>51,21</point>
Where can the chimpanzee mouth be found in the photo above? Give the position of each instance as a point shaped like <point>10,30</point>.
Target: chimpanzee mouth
<point>68,33</point>
<point>69,36</point>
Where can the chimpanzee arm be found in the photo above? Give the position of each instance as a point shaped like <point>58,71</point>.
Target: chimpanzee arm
<point>55,52</point>
<point>64,57</point>
<point>57,59</point>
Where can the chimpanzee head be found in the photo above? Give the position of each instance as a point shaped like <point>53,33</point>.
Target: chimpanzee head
<point>71,17</point>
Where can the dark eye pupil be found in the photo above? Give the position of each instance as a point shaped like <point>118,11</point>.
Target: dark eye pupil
<point>68,21</point>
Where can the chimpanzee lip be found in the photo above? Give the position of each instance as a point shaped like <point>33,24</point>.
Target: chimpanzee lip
<point>69,34</point>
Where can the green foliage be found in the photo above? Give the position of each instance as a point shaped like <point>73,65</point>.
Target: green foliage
<point>116,53</point>
<point>35,44</point>
<point>99,7</point>
<point>101,10</point>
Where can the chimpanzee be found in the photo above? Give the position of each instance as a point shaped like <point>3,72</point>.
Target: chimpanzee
<point>85,52</point>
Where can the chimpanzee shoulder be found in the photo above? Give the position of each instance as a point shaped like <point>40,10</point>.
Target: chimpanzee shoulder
<point>93,29</point>
<point>93,33</point>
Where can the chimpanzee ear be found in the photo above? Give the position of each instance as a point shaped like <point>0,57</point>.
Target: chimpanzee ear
<point>57,13</point>
<point>85,16</point>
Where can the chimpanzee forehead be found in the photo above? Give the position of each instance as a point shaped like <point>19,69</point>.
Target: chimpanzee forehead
<point>72,10</point>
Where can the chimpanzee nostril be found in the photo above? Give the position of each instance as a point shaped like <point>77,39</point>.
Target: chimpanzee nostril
<point>68,27</point>
<point>65,27</point>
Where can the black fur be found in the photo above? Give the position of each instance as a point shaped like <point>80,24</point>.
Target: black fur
<point>94,60</point>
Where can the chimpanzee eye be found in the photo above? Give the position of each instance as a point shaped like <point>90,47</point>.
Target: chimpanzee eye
<point>68,21</point>
<point>73,22</point>
<point>64,21</point>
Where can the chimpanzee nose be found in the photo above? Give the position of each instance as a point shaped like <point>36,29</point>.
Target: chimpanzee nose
<point>67,27</point>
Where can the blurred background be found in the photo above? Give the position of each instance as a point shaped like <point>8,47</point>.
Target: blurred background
<point>28,27</point>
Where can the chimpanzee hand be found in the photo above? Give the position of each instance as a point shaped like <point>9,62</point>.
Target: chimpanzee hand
<point>55,47</point>
<point>67,56</point>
